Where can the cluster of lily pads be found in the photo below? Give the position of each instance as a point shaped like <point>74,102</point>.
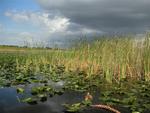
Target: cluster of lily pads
<point>134,96</point>
<point>72,108</point>
<point>39,93</point>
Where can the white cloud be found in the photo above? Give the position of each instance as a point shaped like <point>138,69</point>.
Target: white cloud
<point>27,37</point>
<point>10,39</point>
<point>49,22</point>
<point>50,26</point>
<point>17,16</point>
<point>22,38</point>
<point>41,20</point>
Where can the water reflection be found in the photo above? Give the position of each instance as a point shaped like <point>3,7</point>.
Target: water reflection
<point>10,104</point>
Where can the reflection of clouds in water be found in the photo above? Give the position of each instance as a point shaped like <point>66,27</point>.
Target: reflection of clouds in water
<point>9,104</point>
<point>60,83</point>
<point>8,96</point>
<point>55,106</point>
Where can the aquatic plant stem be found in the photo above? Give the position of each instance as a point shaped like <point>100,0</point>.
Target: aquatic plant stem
<point>105,107</point>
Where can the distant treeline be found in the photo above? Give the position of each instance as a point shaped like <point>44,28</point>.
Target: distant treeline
<point>16,46</point>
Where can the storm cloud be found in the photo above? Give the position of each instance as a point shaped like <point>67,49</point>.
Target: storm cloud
<point>126,16</point>
<point>55,22</point>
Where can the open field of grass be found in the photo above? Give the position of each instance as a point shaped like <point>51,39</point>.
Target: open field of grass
<point>116,64</point>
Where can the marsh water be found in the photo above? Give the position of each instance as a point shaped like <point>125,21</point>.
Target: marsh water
<point>10,100</point>
<point>9,103</point>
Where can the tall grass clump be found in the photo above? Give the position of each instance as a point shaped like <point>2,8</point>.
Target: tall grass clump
<point>118,58</point>
<point>115,59</point>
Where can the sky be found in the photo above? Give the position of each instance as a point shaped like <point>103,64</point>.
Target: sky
<point>52,22</point>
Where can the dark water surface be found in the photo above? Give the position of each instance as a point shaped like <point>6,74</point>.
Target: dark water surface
<point>10,104</point>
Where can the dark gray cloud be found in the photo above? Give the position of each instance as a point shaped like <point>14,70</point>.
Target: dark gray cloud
<point>104,15</point>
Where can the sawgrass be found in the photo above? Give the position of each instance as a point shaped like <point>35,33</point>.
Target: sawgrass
<point>115,59</point>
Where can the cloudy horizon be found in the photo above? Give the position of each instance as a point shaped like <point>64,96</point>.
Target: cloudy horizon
<point>55,21</point>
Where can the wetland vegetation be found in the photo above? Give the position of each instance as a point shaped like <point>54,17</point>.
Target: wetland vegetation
<point>117,69</point>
